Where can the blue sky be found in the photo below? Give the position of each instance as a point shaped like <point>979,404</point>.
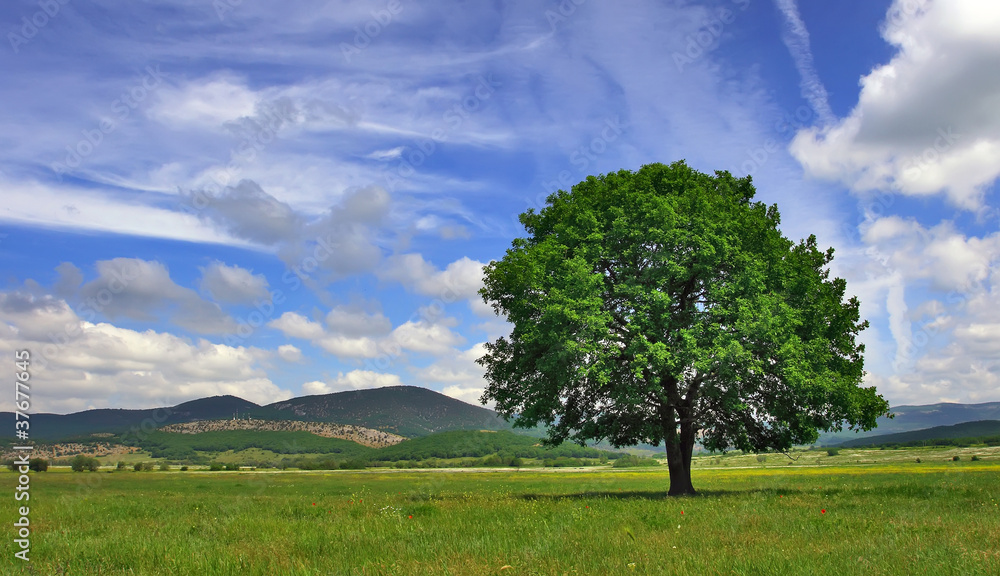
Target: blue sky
<point>216,197</point>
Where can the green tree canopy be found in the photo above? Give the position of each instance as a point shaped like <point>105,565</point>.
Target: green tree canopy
<point>665,305</point>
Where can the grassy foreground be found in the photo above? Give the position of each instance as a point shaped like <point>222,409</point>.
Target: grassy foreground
<point>907,518</point>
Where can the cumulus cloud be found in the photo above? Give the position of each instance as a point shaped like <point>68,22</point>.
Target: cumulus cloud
<point>351,321</point>
<point>944,347</point>
<point>69,281</point>
<point>75,361</point>
<point>428,337</point>
<point>353,333</point>
<point>232,284</point>
<point>928,121</point>
<point>346,347</point>
<point>459,280</point>
<point>139,289</point>
<point>947,258</point>
<point>353,380</point>
<point>289,353</point>
<point>458,373</point>
<point>248,212</point>
<point>295,325</point>
<point>344,241</point>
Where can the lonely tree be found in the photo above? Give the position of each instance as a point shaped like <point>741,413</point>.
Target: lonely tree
<point>665,305</point>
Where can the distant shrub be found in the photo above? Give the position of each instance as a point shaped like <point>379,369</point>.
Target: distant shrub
<point>215,466</point>
<point>38,464</point>
<point>832,452</point>
<point>353,464</point>
<point>184,468</point>
<point>975,458</point>
<point>164,466</point>
<point>120,465</point>
<point>956,458</point>
<point>762,458</point>
<point>81,463</point>
<point>137,467</point>
<point>233,467</point>
<point>918,460</point>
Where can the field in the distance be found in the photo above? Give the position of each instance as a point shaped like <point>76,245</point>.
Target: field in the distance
<point>930,518</point>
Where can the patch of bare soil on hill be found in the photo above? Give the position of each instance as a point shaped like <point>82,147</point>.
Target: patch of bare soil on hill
<point>359,434</point>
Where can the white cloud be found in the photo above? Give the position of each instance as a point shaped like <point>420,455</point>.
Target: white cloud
<point>468,395</point>
<point>389,154</point>
<point>943,255</point>
<point>232,284</point>
<point>64,206</point>
<point>429,337</point>
<point>295,325</point>
<point>459,374</point>
<point>459,280</point>
<point>139,289</point>
<point>354,333</point>
<point>75,363</point>
<point>927,122</point>
<point>289,353</point>
<point>796,38</point>
<point>205,103</point>
<point>345,347</point>
<point>348,321</point>
<point>353,380</point>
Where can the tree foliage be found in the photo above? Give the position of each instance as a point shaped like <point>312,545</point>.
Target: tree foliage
<point>665,305</point>
<point>82,462</point>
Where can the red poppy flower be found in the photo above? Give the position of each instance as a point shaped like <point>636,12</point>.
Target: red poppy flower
<point>314,503</point>
<point>823,511</point>
<point>411,516</point>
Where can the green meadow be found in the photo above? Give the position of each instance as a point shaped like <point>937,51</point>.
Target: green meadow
<point>891,517</point>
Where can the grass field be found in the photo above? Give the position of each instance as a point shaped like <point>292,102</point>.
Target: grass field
<point>937,517</point>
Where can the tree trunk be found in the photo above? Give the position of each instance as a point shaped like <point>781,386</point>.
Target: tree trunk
<point>679,449</point>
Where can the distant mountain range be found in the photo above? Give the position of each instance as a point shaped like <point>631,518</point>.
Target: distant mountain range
<point>405,410</point>
<point>979,429</point>
<point>409,411</point>
<point>910,418</point>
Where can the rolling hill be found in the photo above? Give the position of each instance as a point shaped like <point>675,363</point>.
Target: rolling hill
<point>405,410</point>
<point>977,429</point>
<point>910,418</point>
<point>52,426</point>
<point>409,411</point>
